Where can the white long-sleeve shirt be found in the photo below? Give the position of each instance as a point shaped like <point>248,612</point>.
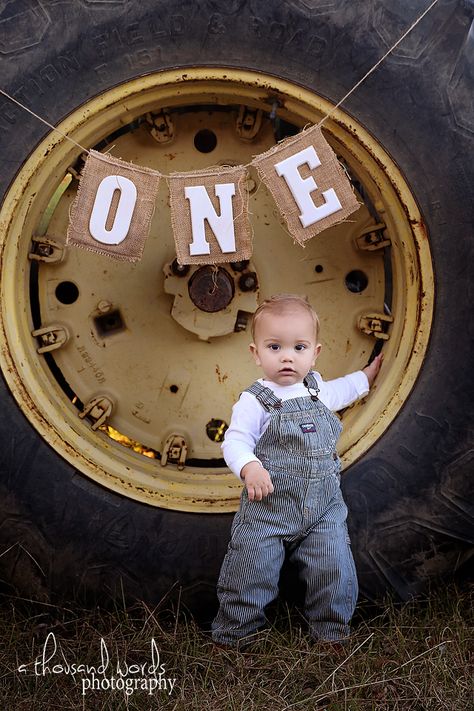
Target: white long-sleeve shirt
<point>250,420</point>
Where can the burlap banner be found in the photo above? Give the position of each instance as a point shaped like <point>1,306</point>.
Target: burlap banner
<point>113,208</point>
<point>209,208</point>
<point>307,182</point>
<point>209,215</point>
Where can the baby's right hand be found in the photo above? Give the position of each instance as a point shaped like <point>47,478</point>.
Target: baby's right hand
<point>257,481</point>
<point>372,370</point>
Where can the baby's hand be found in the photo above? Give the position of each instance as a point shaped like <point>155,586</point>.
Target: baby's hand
<point>257,481</point>
<point>372,370</point>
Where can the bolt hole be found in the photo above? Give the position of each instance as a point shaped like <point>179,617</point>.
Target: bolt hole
<point>109,323</point>
<point>205,141</point>
<point>318,268</point>
<point>215,430</point>
<point>356,281</point>
<point>67,292</point>
<point>174,388</point>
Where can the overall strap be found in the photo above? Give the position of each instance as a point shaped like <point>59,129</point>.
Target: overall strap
<point>265,396</point>
<point>312,385</point>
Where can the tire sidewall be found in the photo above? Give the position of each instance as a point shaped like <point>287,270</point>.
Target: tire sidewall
<point>414,473</point>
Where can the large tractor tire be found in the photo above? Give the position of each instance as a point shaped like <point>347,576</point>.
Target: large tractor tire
<point>88,508</point>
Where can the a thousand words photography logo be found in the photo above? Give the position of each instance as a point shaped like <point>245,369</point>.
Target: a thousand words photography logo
<point>110,675</point>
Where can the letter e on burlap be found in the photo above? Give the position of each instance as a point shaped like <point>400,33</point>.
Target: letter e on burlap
<point>209,215</point>
<point>308,183</point>
<point>113,209</point>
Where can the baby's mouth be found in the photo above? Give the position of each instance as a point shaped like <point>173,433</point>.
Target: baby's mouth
<point>287,371</point>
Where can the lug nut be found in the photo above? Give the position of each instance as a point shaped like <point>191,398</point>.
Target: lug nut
<point>248,282</point>
<point>179,270</point>
<point>241,321</point>
<point>239,266</point>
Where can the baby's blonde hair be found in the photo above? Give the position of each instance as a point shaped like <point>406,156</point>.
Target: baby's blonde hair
<point>278,303</point>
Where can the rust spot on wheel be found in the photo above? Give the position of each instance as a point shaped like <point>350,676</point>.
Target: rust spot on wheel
<point>211,289</point>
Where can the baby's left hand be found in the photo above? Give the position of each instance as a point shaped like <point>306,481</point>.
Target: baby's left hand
<point>372,370</point>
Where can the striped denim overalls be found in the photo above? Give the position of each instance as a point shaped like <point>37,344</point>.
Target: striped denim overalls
<point>305,517</point>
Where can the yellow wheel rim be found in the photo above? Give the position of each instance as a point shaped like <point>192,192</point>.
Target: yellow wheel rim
<point>128,338</point>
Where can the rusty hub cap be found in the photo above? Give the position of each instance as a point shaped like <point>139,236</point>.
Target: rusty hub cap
<point>211,289</point>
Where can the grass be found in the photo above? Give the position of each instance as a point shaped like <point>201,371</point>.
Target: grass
<point>407,657</point>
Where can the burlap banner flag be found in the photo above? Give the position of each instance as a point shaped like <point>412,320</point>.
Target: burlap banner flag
<point>113,208</point>
<point>209,215</point>
<point>308,184</point>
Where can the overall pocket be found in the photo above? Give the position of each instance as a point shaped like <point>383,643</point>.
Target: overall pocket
<point>312,432</point>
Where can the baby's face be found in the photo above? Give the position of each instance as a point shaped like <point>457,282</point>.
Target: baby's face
<point>285,345</point>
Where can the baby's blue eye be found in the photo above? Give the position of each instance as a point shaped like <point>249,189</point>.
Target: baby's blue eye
<point>300,347</point>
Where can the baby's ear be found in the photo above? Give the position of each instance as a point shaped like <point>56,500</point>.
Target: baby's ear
<point>317,351</point>
<point>253,351</point>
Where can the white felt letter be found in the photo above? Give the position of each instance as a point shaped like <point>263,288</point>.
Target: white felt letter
<point>102,205</point>
<point>202,209</point>
<point>301,189</point>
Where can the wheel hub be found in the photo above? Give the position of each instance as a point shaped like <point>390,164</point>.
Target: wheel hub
<point>211,289</point>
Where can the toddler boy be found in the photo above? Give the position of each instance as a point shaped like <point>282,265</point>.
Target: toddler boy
<point>282,442</point>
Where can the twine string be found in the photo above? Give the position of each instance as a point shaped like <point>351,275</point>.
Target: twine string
<point>43,120</point>
<point>377,64</point>
<point>328,115</point>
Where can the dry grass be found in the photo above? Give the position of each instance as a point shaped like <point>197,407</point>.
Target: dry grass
<point>400,658</point>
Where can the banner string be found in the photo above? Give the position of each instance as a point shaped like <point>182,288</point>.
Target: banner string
<point>328,115</point>
<point>40,118</point>
<point>412,27</point>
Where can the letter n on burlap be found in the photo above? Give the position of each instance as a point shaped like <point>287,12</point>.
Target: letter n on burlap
<point>115,222</point>
<point>308,183</point>
<point>209,215</point>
